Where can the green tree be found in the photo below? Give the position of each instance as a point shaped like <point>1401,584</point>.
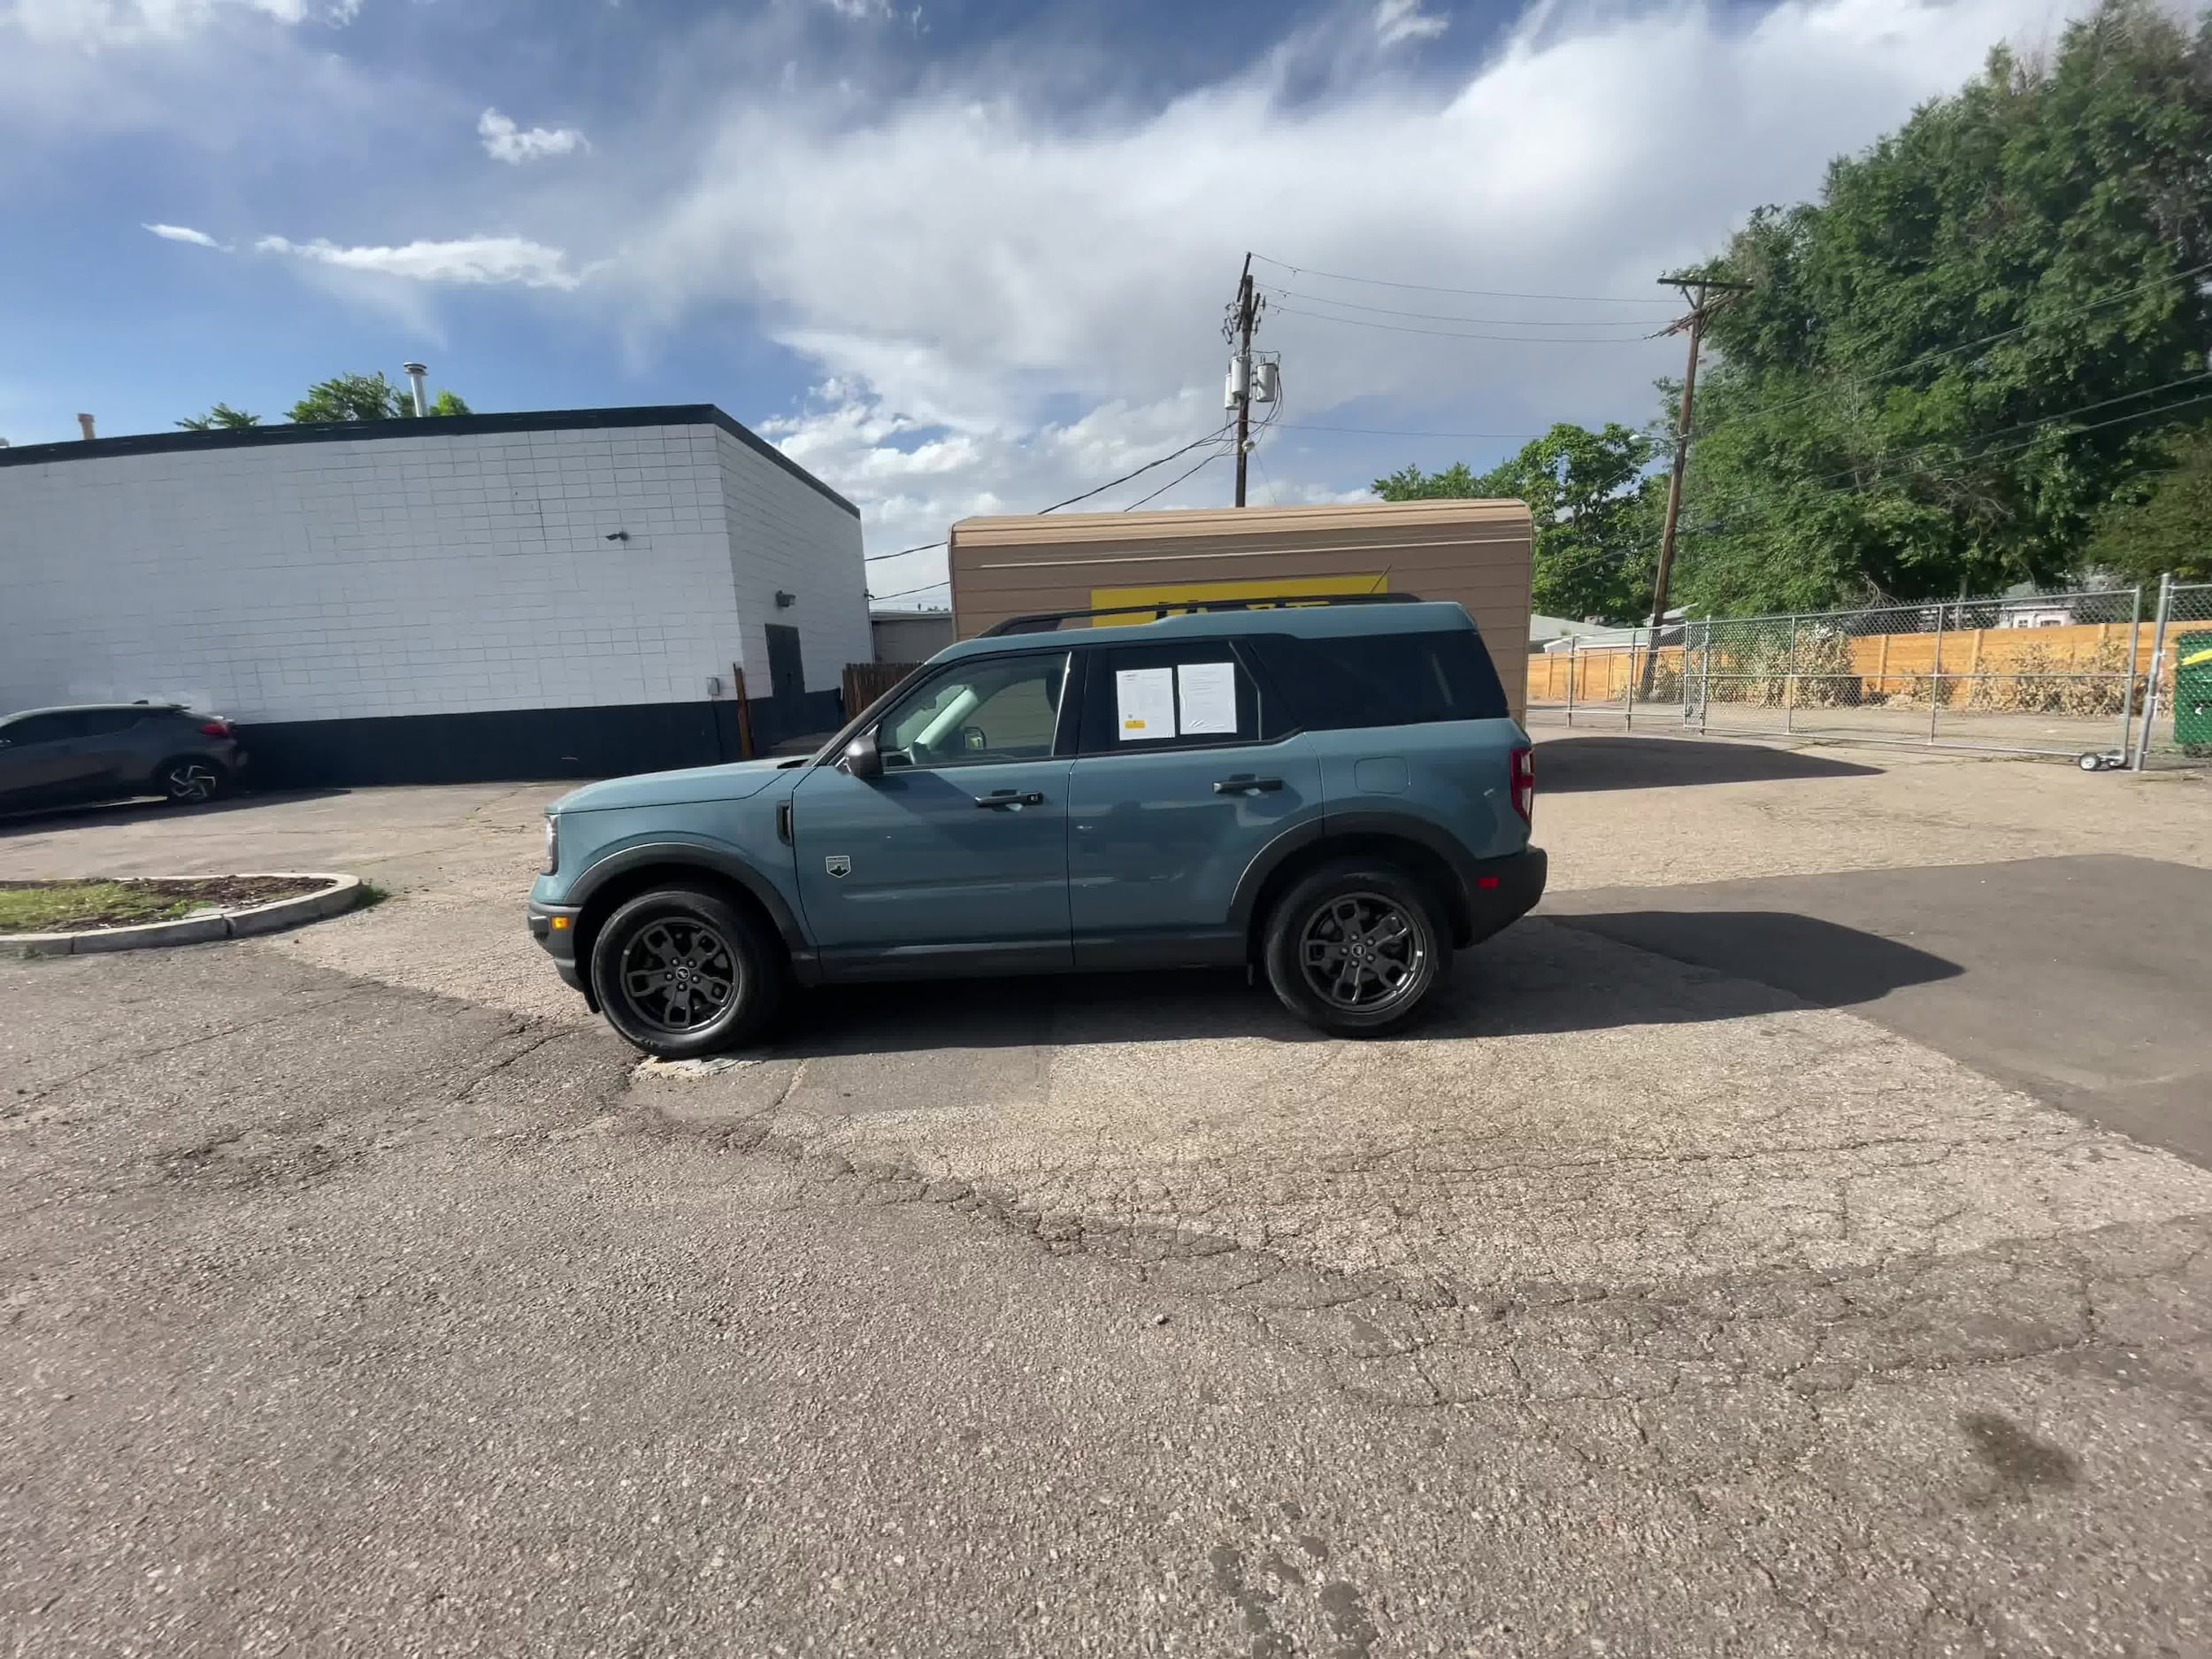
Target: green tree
<point>222,417</point>
<point>366,398</point>
<point>2162,521</point>
<point>1596,515</point>
<point>1955,359</point>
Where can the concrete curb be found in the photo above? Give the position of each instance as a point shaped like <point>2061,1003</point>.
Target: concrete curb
<point>342,894</point>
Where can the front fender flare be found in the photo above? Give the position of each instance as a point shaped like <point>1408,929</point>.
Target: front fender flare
<point>704,856</point>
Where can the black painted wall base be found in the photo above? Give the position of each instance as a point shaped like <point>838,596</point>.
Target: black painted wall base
<point>521,744</point>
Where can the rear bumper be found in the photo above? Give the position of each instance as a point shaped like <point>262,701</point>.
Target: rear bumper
<point>1500,891</point>
<point>554,927</point>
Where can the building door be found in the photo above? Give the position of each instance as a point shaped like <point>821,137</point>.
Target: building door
<point>787,668</point>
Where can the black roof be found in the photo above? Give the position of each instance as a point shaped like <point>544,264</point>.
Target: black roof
<point>420,426</point>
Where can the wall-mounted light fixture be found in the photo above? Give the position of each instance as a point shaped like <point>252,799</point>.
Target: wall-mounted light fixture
<point>784,601</point>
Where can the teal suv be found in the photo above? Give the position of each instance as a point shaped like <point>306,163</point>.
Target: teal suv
<point>1333,794</point>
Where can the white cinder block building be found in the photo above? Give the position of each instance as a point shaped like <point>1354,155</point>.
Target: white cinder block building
<point>567,593</point>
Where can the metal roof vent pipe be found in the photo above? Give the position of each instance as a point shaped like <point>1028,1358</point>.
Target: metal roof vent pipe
<point>84,427</point>
<point>415,372</point>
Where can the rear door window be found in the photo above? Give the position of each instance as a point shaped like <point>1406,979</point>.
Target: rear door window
<point>1192,693</point>
<point>104,722</point>
<point>1383,679</point>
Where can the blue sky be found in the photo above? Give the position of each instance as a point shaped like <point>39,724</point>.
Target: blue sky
<point>958,255</point>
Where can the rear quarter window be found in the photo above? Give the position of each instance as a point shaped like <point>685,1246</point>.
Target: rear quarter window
<point>1383,679</point>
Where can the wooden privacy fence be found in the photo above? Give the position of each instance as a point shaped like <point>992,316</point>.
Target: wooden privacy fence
<point>1869,667</point>
<point>865,682</point>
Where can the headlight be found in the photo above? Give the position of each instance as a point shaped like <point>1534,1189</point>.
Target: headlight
<point>552,843</point>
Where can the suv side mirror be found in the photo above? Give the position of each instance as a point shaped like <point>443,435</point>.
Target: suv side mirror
<point>861,757</point>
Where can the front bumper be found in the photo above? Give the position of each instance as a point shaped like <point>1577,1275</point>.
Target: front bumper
<point>1500,891</point>
<point>554,926</point>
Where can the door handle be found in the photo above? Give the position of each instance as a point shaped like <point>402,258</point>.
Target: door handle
<point>1000,799</point>
<point>1245,783</point>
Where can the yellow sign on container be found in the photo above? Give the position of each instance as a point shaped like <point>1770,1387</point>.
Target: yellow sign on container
<point>1175,596</point>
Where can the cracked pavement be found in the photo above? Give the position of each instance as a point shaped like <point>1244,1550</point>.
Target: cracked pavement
<point>1631,1306</point>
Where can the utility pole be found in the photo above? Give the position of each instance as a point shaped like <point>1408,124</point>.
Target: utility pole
<point>1699,292</point>
<point>1240,373</point>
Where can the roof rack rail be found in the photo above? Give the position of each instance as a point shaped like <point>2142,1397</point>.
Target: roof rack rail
<point>1047,622</point>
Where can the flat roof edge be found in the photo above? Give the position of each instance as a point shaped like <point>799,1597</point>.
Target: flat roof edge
<point>422,426</point>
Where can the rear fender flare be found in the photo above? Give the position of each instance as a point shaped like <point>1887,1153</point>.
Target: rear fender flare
<point>1347,827</point>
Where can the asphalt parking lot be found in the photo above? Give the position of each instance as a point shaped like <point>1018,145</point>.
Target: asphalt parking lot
<point>1793,1239</point>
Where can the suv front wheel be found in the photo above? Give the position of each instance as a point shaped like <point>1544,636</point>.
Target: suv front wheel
<point>680,971</point>
<point>1355,947</point>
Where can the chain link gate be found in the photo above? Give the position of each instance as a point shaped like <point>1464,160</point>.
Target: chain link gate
<point>2176,726</point>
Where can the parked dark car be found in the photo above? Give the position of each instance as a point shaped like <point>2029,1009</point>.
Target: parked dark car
<point>107,751</point>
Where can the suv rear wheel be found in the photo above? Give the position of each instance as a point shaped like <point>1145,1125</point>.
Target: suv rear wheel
<point>680,971</point>
<point>1355,947</point>
<point>189,778</point>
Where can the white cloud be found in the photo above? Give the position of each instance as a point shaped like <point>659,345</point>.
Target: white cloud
<point>185,232</point>
<point>94,23</point>
<point>1397,21</point>
<point>980,265</point>
<point>475,260</point>
<point>504,141</point>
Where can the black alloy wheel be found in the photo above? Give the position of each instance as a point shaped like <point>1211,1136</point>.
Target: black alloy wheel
<point>681,971</point>
<point>1354,948</point>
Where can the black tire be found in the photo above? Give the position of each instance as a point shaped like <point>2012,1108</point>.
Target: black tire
<point>191,779</point>
<point>694,941</point>
<point>1404,948</point>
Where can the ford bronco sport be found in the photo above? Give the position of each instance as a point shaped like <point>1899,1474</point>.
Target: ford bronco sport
<point>1332,793</point>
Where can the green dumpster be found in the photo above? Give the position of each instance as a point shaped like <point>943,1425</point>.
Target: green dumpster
<point>2193,693</point>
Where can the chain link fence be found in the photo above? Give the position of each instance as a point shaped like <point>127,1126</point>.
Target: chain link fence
<point>2069,675</point>
<point>2047,674</point>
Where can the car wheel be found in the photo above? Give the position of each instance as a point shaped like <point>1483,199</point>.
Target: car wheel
<point>680,971</point>
<point>190,779</point>
<point>1355,947</point>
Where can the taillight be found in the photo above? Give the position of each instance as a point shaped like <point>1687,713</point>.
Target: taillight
<point>215,728</point>
<point>1524,785</point>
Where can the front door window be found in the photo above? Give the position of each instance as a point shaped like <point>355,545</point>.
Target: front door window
<point>999,710</point>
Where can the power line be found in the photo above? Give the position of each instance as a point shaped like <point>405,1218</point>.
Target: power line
<point>1397,432</point>
<point>1203,460</point>
<point>1950,351</point>
<point>1450,317</point>
<point>945,581</point>
<point>2025,426</point>
<point>1209,438</point>
<point>1760,508</point>
<point>1426,287</point>
<point>925,547</point>
<point>1454,334</point>
<point>921,547</point>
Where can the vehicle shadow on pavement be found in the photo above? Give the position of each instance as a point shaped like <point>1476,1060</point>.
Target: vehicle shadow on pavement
<point>1575,974</point>
<point>1566,765</point>
<point>45,820</point>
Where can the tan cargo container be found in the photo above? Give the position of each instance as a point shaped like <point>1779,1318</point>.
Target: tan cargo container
<point>1476,552</point>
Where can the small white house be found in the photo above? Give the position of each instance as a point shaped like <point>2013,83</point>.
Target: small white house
<point>564,593</point>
